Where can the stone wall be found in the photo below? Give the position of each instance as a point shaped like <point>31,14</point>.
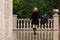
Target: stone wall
<point>1,19</point>
<point>6,20</point>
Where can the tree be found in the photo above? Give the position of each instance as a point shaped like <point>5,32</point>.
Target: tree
<point>24,8</point>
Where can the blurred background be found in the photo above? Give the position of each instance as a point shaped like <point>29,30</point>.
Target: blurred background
<point>24,8</point>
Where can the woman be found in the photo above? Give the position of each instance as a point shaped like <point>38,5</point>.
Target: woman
<point>35,19</point>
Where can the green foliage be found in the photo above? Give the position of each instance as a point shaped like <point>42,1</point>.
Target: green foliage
<point>24,8</point>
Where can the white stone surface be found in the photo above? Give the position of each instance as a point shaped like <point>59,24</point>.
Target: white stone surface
<point>14,21</point>
<point>1,19</point>
<point>6,20</point>
<point>8,25</point>
<point>56,21</point>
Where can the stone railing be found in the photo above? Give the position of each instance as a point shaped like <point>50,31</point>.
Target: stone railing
<point>26,24</point>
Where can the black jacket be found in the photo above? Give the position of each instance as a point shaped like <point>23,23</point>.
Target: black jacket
<point>35,18</point>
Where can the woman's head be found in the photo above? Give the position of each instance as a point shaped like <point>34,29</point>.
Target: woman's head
<point>35,9</point>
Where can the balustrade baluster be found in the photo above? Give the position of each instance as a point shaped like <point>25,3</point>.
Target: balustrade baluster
<point>39,23</point>
<point>21,24</point>
<point>27,24</point>
<point>24,24</point>
<point>42,26</point>
<point>48,24</point>
<point>30,24</point>
<point>51,24</point>
<point>45,26</point>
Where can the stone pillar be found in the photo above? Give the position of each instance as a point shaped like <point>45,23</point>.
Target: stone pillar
<point>8,21</point>
<point>1,19</point>
<point>15,33</point>
<point>56,25</point>
<point>56,19</point>
<point>14,21</point>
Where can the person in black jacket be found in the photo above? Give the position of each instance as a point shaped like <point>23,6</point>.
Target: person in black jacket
<point>35,19</point>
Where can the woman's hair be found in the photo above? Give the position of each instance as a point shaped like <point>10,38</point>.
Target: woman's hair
<point>35,9</point>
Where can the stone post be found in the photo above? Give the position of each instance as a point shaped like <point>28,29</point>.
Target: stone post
<point>15,27</point>
<point>6,20</point>
<point>14,21</point>
<point>56,24</point>
<point>1,19</point>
